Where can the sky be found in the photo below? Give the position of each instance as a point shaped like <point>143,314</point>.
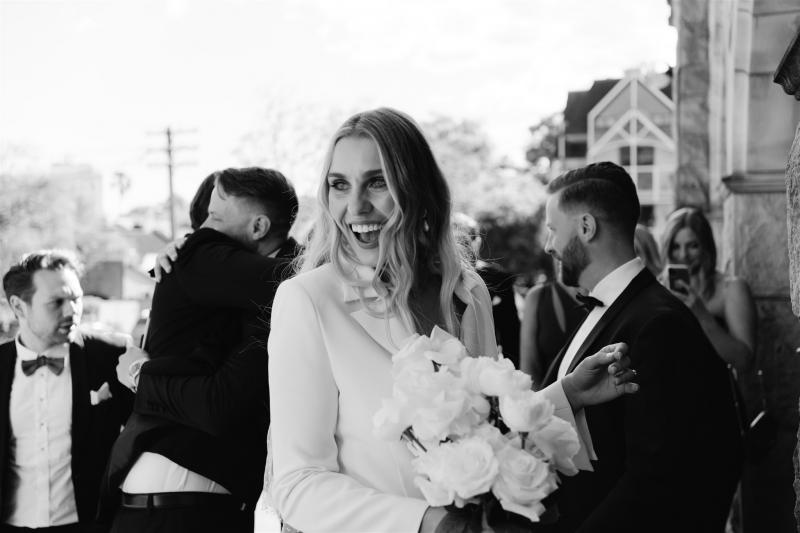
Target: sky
<point>98,82</point>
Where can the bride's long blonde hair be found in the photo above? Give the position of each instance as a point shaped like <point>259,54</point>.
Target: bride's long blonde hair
<point>416,243</point>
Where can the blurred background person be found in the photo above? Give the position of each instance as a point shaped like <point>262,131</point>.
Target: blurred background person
<point>550,315</point>
<point>723,304</point>
<point>646,248</point>
<point>500,284</point>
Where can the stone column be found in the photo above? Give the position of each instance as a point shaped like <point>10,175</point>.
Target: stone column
<point>692,84</point>
<point>788,76</point>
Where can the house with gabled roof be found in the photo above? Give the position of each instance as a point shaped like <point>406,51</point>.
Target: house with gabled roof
<point>630,122</point>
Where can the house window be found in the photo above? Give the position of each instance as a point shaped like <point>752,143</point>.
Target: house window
<point>604,121</point>
<point>644,181</point>
<point>625,156</point>
<point>645,155</point>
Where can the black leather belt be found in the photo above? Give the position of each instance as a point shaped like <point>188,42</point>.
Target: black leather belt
<point>176,500</point>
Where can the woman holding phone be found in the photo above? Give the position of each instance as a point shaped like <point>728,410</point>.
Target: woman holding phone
<point>722,304</point>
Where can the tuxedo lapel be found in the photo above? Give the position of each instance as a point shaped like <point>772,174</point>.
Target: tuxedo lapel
<point>8,359</point>
<point>552,372</point>
<point>641,280</point>
<point>80,407</point>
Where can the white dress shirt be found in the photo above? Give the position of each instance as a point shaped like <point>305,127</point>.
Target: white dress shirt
<point>153,472</point>
<point>40,454</point>
<point>607,291</point>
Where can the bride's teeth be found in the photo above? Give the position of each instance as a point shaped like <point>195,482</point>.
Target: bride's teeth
<point>365,228</point>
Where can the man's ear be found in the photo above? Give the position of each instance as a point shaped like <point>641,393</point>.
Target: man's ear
<point>587,227</point>
<point>260,227</point>
<point>17,305</point>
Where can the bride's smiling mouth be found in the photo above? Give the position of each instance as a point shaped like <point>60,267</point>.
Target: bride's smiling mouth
<point>367,234</point>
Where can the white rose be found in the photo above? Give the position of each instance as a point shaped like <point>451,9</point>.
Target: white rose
<point>419,388</point>
<point>431,481</point>
<point>467,467</point>
<point>558,442</point>
<point>523,482</point>
<point>391,420</point>
<point>493,377</point>
<point>489,433</point>
<point>433,423</point>
<point>470,370</point>
<point>476,411</point>
<point>435,494</point>
<point>441,407</point>
<point>411,358</point>
<point>447,353</point>
<point>525,411</point>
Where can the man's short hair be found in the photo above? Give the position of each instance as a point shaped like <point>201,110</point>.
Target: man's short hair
<point>18,281</point>
<point>605,189</point>
<point>269,188</point>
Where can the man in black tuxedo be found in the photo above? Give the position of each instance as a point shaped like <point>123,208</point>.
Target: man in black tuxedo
<point>201,412</point>
<point>668,459</point>
<point>60,402</point>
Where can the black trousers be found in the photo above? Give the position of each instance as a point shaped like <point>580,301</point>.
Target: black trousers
<point>183,520</point>
<point>71,528</point>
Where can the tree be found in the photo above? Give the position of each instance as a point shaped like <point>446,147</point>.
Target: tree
<point>33,215</point>
<point>505,199</point>
<point>544,139</point>
<point>291,138</point>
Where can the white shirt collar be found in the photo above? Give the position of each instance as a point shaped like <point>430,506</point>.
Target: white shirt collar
<point>610,287</point>
<point>26,354</point>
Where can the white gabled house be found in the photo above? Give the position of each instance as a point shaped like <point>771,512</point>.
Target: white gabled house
<point>632,123</point>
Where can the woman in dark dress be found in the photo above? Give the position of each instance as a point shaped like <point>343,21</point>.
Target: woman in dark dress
<point>550,314</point>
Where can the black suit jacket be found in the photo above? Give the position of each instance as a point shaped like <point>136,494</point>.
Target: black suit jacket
<point>224,401</point>
<point>669,456</point>
<point>214,423</point>
<point>93,361</point>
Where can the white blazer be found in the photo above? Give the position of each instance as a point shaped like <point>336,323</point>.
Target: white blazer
<point>329,370</point>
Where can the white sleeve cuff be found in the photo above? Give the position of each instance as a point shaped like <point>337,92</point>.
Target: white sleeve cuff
<point>555,393</point>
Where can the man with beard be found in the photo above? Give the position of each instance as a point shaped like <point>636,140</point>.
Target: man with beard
<point>61,405</point>
<point>669,459</point>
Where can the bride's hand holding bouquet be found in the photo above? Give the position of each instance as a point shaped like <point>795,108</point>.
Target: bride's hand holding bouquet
<point>488,447</point>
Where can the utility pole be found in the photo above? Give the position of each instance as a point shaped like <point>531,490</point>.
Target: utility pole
<point>170,150</point>
<point>171,187</point>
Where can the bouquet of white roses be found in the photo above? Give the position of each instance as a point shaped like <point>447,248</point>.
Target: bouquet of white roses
<point>479,433</point>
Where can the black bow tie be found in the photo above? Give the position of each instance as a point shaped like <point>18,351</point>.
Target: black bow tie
<point>589,302</point>
<point>55,364</point>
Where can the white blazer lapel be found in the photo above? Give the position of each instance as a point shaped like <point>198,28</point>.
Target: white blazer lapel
<point>390,334</point>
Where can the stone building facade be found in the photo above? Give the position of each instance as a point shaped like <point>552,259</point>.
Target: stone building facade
<point>735,128</point>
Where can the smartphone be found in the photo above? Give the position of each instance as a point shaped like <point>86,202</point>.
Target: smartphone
<point>675,273</point>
